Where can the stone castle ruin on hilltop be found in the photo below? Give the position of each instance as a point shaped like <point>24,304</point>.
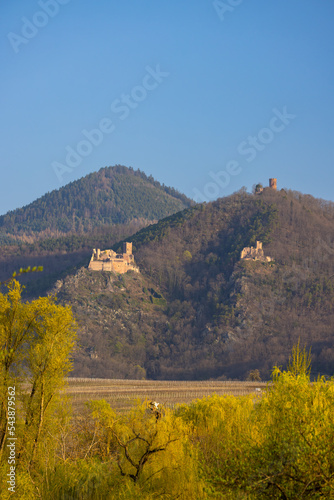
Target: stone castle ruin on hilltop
<point>255,253</point>
<point>272,185</point>
<point>108,260</point>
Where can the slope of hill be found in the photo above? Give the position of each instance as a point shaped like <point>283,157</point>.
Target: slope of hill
<point>59,256</point>
<point>198,311</point>
<point>113,195</point>
<point>59,230</point>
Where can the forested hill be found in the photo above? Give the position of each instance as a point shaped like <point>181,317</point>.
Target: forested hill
<point>113,195</point>
<point>197,310</point>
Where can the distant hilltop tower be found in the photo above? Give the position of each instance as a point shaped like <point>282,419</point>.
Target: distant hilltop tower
<point>273,184</point>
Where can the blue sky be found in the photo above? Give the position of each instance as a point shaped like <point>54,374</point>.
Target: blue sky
<point>207,96</point>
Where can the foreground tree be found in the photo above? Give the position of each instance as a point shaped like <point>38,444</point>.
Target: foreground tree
<point>296,457</point>
<point>277,445</point>
<point>151,453</point>
<point>36,341</point>
<point>16,274</point>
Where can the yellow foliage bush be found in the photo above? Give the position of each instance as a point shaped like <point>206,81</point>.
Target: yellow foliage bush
<point>276,446</point>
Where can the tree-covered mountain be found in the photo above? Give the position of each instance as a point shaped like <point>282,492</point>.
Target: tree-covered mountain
<point>197,310</point>
<point>113,195</point>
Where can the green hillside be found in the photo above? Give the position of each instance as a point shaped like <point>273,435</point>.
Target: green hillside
<point>196,310</point>
<point>113,195</point>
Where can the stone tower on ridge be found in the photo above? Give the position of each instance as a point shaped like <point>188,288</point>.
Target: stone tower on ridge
<point>127,248</point>
<point>273,184</point>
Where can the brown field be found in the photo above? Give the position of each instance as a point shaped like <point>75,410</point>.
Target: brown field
<point>121,394</point>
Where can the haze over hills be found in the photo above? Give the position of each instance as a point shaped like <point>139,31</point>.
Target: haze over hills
<point>196,310</point>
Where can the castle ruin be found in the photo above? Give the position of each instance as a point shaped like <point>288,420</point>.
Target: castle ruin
<point>108,260</point>
<point>254,253</point>
<point>273,184</point>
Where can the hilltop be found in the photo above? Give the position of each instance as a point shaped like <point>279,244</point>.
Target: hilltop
<point>197,310</point>
<point>113,195</point>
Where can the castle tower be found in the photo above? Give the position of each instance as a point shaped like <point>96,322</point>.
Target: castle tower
<point>273,184</point>
<point>127,248</point>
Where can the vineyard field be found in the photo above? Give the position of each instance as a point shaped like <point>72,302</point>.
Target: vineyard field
<point>121,394</point>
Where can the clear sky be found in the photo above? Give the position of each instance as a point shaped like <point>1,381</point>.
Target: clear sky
<point>207,96</point>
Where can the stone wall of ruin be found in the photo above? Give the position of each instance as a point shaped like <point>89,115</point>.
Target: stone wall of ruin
<point>108,260</point>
